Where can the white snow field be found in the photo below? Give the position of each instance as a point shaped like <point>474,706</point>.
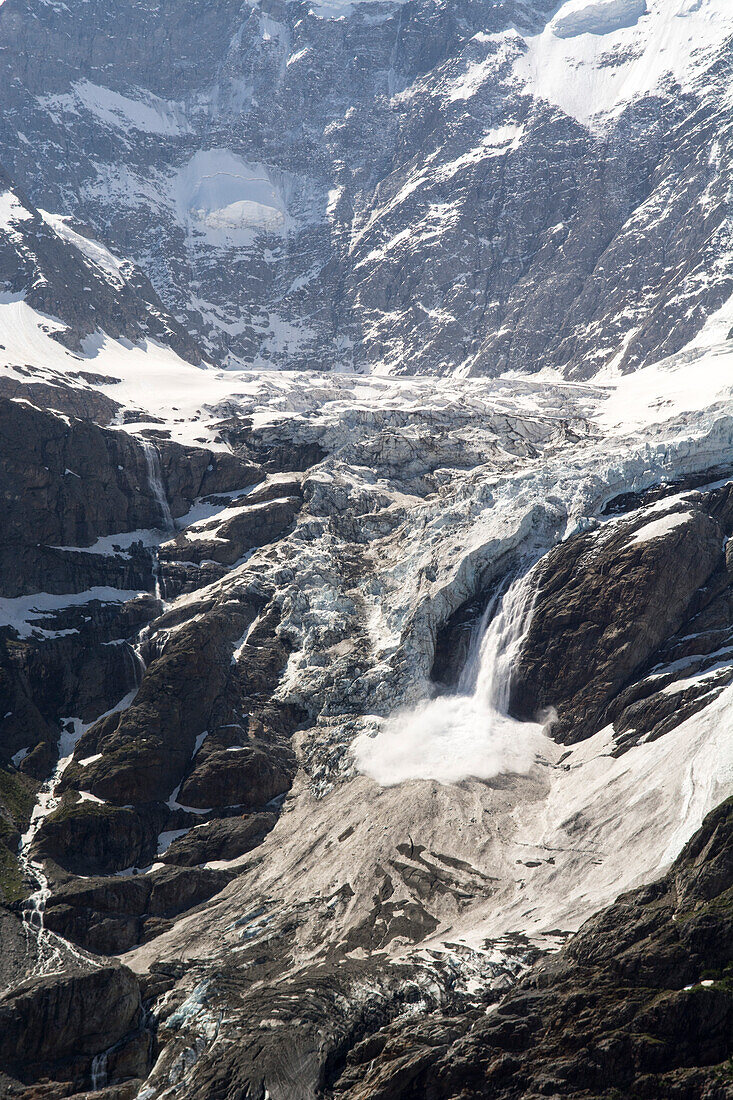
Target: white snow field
<point>147,114</point>
<point>596,56</point>
<point>596,17</point>
<point>227,200</point>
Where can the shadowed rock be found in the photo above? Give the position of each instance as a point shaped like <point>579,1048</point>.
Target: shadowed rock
<point>223,839</point>
<point>603,607</point>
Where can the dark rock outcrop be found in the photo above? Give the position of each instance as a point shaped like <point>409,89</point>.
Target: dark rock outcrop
<point>147,747</point>
<point>17,799</point>
<point>227,541</point>
<point>220,839</point>
<point>67,482</point>
<point>52,1018</point>
<point>90,837</point>
<point>605,602</point>
<point>248,775</point>
<point>112,915</point>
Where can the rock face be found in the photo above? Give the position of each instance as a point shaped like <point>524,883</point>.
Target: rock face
<point>191,692</point>
<point>86,837</point>
<point>67,482</point>
<point>77,1016</point>
<point>222,839</point>
<point>111,915</point>
<point>227,541</point>
<point>56,1024</point>
<point>444,197</point>
<point>78,286</point>
<point>604,605</point>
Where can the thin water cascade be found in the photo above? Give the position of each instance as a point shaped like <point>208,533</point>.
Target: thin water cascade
<point>99,1071</point>
<point>157,488</point>
<point>136,661</point>
<point>469,733</point>
<point>155,481</point>
<point>49,957</point>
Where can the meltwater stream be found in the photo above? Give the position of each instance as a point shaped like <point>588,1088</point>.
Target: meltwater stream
<point>468,733</point>
<point>51,951</point>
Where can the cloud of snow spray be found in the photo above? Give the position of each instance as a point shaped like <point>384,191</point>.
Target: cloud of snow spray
<point>470,733</point>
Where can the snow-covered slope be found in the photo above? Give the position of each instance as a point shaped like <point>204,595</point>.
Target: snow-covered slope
<point>58,281</point>
<point>619,51</point>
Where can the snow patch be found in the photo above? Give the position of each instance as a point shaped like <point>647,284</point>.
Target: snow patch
<point>227,201</point>
<point>689,381</point>
<point>21,613</point>
<point>594,57</point>
<point>596,16</point>
<point>12,210</point>
<point>166,838</point>
<point>92,250</point>
<point>660,527</point>
<point>146,113</point>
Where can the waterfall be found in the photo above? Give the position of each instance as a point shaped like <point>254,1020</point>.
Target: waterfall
<point>155,481</point>
<point>99,1071</point>
<point>468,733</point>
<point>496,644</point>
<point>136,661</point>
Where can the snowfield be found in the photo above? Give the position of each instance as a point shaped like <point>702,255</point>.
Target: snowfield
<point>619,51</point>
<point>596,17</point>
